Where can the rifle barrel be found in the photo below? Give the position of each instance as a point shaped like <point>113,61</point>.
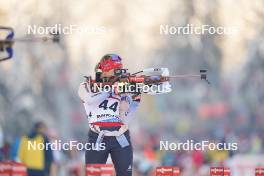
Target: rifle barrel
<point>34,39</point>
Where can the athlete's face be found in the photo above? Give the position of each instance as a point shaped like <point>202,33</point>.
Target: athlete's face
<point>42,129</point>
<point>108,74</point>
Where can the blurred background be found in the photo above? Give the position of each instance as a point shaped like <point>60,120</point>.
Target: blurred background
<point>40,82</point>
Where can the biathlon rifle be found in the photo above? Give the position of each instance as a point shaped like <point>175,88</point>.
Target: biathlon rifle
<point>149,76</point>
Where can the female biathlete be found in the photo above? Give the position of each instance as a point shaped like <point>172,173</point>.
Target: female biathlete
<point>108,116</point>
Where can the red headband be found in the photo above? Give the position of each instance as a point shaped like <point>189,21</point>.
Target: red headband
<point>108,65</point>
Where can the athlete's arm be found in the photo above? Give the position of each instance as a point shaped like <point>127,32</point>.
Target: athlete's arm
<point>133,105</point>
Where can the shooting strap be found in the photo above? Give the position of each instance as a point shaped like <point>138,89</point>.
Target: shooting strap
<point>119,134</point>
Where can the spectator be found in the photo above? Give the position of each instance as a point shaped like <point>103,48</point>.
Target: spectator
<point>38,161</point>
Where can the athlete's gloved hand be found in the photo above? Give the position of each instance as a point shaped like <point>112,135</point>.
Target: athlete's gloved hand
<point>136,97</point>
<point>118,88</point>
